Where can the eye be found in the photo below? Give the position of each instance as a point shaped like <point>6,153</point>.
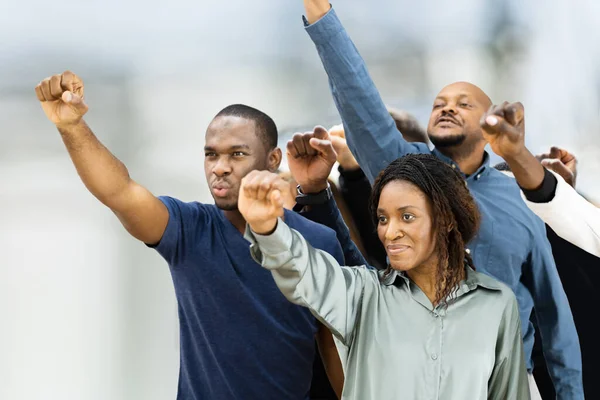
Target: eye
<point>210,154</point>
<point>408,217</point>
<point>465,105</point>
<point>382,219</point>
<point>239,154</point>
<point>437,105</point>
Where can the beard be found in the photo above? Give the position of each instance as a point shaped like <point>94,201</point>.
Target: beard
<point>447,141</point>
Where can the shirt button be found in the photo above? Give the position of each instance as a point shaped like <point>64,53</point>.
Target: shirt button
<point>478,176</point>
<point>434,356</point>
<point>453,166</point>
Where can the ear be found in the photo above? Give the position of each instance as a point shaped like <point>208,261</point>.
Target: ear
<point>274,159</point>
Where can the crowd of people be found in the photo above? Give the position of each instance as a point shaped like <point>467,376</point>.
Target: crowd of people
<point>423,273</point>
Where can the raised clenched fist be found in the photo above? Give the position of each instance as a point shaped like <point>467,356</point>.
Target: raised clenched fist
<point>61,97</point>
<point>261,200</point>
<point>503,126</point>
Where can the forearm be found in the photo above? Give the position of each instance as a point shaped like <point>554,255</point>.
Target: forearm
<point>306,276</point>
<point>101,172</point>
<point>370,130</point>
<point>528,171</point>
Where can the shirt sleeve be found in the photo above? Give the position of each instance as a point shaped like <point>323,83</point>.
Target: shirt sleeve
<point>328,214</point>
<point>509,376</point>
<point>560,341</point>
<point>186,221</point>
<point>371,132</point>
<point>570,215</point>
<point>311,278</point>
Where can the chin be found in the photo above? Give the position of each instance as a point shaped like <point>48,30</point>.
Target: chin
<point>226,205</point>
<point>401,265</point>
<point>447,139</point>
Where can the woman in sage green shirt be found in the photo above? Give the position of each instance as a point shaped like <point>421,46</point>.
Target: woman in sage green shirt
<point>429,327</point>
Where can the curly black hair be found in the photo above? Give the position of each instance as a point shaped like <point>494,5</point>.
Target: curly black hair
<point>455,213</point>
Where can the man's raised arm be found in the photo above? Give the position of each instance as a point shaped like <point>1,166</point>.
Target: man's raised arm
<point>370,130</point>
<point>141,213</point>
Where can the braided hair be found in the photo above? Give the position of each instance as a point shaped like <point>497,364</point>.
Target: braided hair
<point>455,216</point>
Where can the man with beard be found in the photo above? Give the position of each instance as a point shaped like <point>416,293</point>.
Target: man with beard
<point>511,244</point>
<point>240,337</point>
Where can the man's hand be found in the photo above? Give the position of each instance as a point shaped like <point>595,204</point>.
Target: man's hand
<point>503,127</point>
<point>261,200</point>
<point>316,9</point>
<point>311,157</point>
<point>344,155</point>
<point>61,97</point>
<point>562,162</point>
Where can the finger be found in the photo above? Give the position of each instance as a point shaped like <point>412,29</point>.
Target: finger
<point>563,155</point>
<point>45,84</point>
<point>39,93</point>
<point>555,152</point>
<point>265,185</point>
<point>496,125</point>
<point>320,133</point>
<point>306,143</point>
<point>337,130</point>
<point>558,167</point>
<point>325,148</point>
<point>298,145</point>
<point>55,89</point>
<point>249,184</point>
<point>514,113</point>
<point>291,150</point>
<point>276,201</point>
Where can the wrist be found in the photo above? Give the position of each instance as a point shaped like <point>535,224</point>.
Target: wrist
<point>316,9</point>
<point>67,127</point>
<point>314,188</point>
<point>264,228</point>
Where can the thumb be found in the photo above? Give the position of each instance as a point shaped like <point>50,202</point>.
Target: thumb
<point>496,125</point>
<point>325,147</point>
<point>76,102</point>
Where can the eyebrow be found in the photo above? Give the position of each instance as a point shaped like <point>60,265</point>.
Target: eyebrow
<point>459,96</point>
<point>231,148</point>
<point>402,208</point>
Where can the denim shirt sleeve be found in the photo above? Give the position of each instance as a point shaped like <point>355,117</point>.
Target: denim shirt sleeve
<point>370,130</point>
<point>329,215</point>
<point>560,341</point>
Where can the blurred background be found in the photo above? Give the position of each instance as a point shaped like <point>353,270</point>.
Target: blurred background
<point>87,312</point>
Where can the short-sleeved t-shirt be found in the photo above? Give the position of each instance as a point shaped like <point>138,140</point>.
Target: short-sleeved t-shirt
<point>240,337</point>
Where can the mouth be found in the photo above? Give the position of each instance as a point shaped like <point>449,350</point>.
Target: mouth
<point>220,190</point>
<point>395,249</point>
<point>446,122</point>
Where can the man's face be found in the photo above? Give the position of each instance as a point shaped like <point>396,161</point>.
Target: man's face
<point>457,110</point>
<point>233,149</point>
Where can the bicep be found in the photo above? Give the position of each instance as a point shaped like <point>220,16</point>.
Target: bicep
<point>142,214</point>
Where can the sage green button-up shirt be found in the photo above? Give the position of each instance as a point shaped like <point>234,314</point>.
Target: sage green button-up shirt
<point>399,345</point>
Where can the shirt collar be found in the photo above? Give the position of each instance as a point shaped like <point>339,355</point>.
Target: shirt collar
<point>473,280</point>
<point>483,169</point>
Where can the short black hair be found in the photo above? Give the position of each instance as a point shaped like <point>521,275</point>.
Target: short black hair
<point>265,126</point>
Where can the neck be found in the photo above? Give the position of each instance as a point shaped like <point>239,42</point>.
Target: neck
<point>236,219</point>
<point>425,277</point>
<point>469,160</point>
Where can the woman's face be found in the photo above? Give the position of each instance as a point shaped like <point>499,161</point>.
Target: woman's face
<point>405,226</point>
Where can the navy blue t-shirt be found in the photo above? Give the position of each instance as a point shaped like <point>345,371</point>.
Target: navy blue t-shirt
<point>240,337</point>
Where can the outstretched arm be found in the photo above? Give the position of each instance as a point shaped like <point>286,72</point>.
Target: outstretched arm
<point>141,213</point>
<point>371,131</point>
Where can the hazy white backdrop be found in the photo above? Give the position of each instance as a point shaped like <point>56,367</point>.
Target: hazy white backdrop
<point>88,313</point>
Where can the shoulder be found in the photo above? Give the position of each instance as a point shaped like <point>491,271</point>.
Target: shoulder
<point>189,212</point>
<point>492,285</point>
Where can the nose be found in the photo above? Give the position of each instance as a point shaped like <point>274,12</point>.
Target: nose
<point>394,231</point>
<point>449,108</point>
<point>221,167</point>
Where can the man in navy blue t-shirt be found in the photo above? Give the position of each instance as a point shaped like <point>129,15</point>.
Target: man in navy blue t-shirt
<point>240,337</point>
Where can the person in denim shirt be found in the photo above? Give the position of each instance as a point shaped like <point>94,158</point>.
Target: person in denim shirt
<point>511,245</point>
